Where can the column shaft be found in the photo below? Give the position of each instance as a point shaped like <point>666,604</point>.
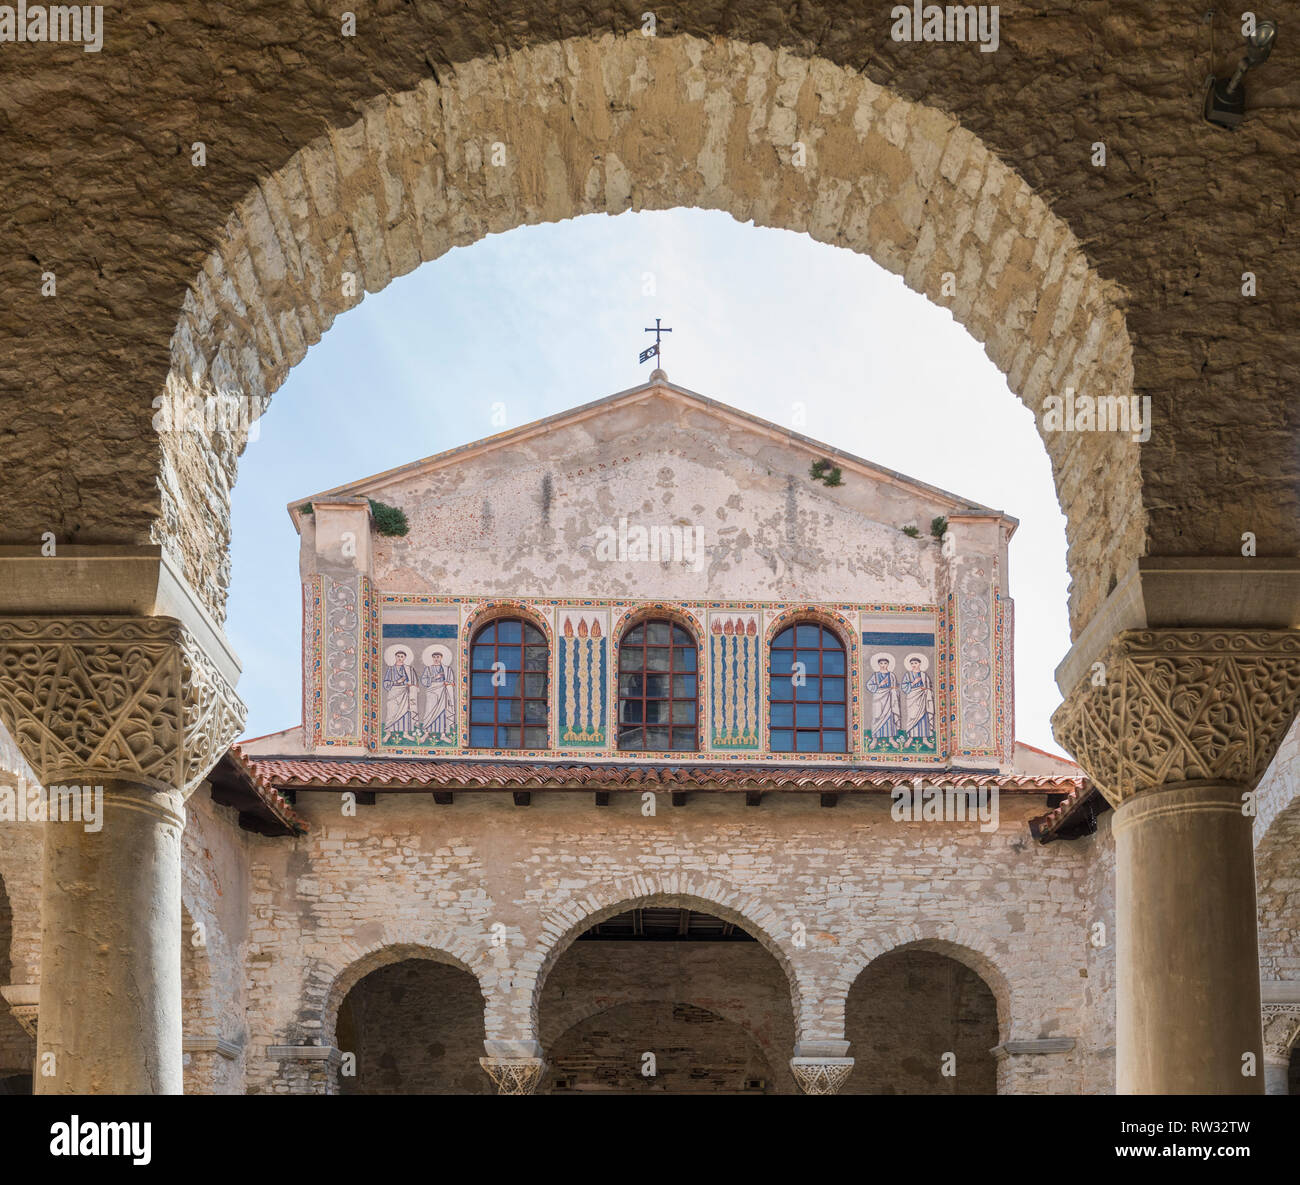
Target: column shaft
<point>110,948</point>
<point>1188,1006</point>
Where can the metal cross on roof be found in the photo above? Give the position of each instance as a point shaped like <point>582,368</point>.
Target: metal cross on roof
<point>654,351</point>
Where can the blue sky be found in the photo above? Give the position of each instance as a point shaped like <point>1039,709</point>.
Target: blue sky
<point>543,318</point>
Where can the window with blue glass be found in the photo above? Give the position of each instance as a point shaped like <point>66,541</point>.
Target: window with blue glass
<point>808,691</point>
<point>508,705</point>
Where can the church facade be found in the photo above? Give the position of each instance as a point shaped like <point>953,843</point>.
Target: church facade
<point>650,747</point>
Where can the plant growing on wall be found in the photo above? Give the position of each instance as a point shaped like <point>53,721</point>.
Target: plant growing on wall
<point>939,527</point>
<point>823,472</point>
<point>389,520</point>
<point>911,532</point>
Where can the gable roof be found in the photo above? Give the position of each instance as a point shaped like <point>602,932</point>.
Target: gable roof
<point>658,386</point>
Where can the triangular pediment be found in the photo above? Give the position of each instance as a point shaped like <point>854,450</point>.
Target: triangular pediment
<point>594,438</point>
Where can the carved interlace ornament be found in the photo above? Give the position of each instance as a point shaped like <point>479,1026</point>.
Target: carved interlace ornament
<point>133,698</point>
<point>514,1075</point>
<point>1281,1030</point>
<point>1169,706</point>
<point>821,1075</point>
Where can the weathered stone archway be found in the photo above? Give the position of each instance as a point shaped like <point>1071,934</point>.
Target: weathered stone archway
<point>952,941</point>
<point>889,178</point>
<point>81,461</point>
<point>921,1021</point>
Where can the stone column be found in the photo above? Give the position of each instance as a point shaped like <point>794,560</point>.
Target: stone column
<point>821,1067</point>
<point>1175,727</point>
<point>128,713</point>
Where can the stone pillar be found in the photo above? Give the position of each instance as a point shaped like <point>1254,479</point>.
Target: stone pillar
<point>1175,727</point>
<point>821,1067</point>
<point>129,713</point>
<point>515,1067</point>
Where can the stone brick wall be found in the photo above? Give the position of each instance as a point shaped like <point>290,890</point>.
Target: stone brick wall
<point>1277,842</point>
<point>406,878</point>
<point>214,931</point>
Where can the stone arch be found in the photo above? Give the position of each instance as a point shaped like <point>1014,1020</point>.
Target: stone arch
<point>412,1019</point>
<point>561,926</point>
<point>956,942</point>
<point>883,176</point>
<point>356,964</point>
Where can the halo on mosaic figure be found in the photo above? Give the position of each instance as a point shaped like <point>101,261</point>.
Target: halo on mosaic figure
<point>390,655</point>
<point>426,655</point>
<point>877,659</point>
<point>923,659</point>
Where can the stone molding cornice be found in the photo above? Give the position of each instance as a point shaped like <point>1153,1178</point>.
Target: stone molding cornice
<point>135,699</point>
<point>821,1075</point>
<point>1033,1048</point>
<point>1182,705</point>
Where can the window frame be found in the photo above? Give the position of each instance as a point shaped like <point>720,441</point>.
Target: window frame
<point>671,674</point>
<point>496,699</point>
<point>794,728</point>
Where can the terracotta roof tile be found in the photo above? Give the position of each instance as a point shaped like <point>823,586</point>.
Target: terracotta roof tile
<point>453,773</point>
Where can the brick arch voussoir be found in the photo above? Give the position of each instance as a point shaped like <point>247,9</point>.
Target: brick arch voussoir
<point>562,924</point>
<point>351,964</point>
<point>960,943</point>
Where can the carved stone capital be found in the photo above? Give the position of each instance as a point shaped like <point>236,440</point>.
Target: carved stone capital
<point>134,699</point>
<point>821,1075</point>
<point>1281,1030</point>
<point>24,1000</point>
<point>514,1075</point>
<point>1181,705</point>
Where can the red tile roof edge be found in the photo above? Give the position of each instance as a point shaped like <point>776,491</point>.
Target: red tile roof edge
<point>1044,828</point>
<point>326,772</point>
<point>265,789</point>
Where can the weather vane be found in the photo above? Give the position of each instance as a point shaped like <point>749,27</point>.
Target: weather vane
<point>654,351</point>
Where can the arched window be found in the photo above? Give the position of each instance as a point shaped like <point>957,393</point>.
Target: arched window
<point>658,673</point>
<point>508,689</point>
<point>808,702</point>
